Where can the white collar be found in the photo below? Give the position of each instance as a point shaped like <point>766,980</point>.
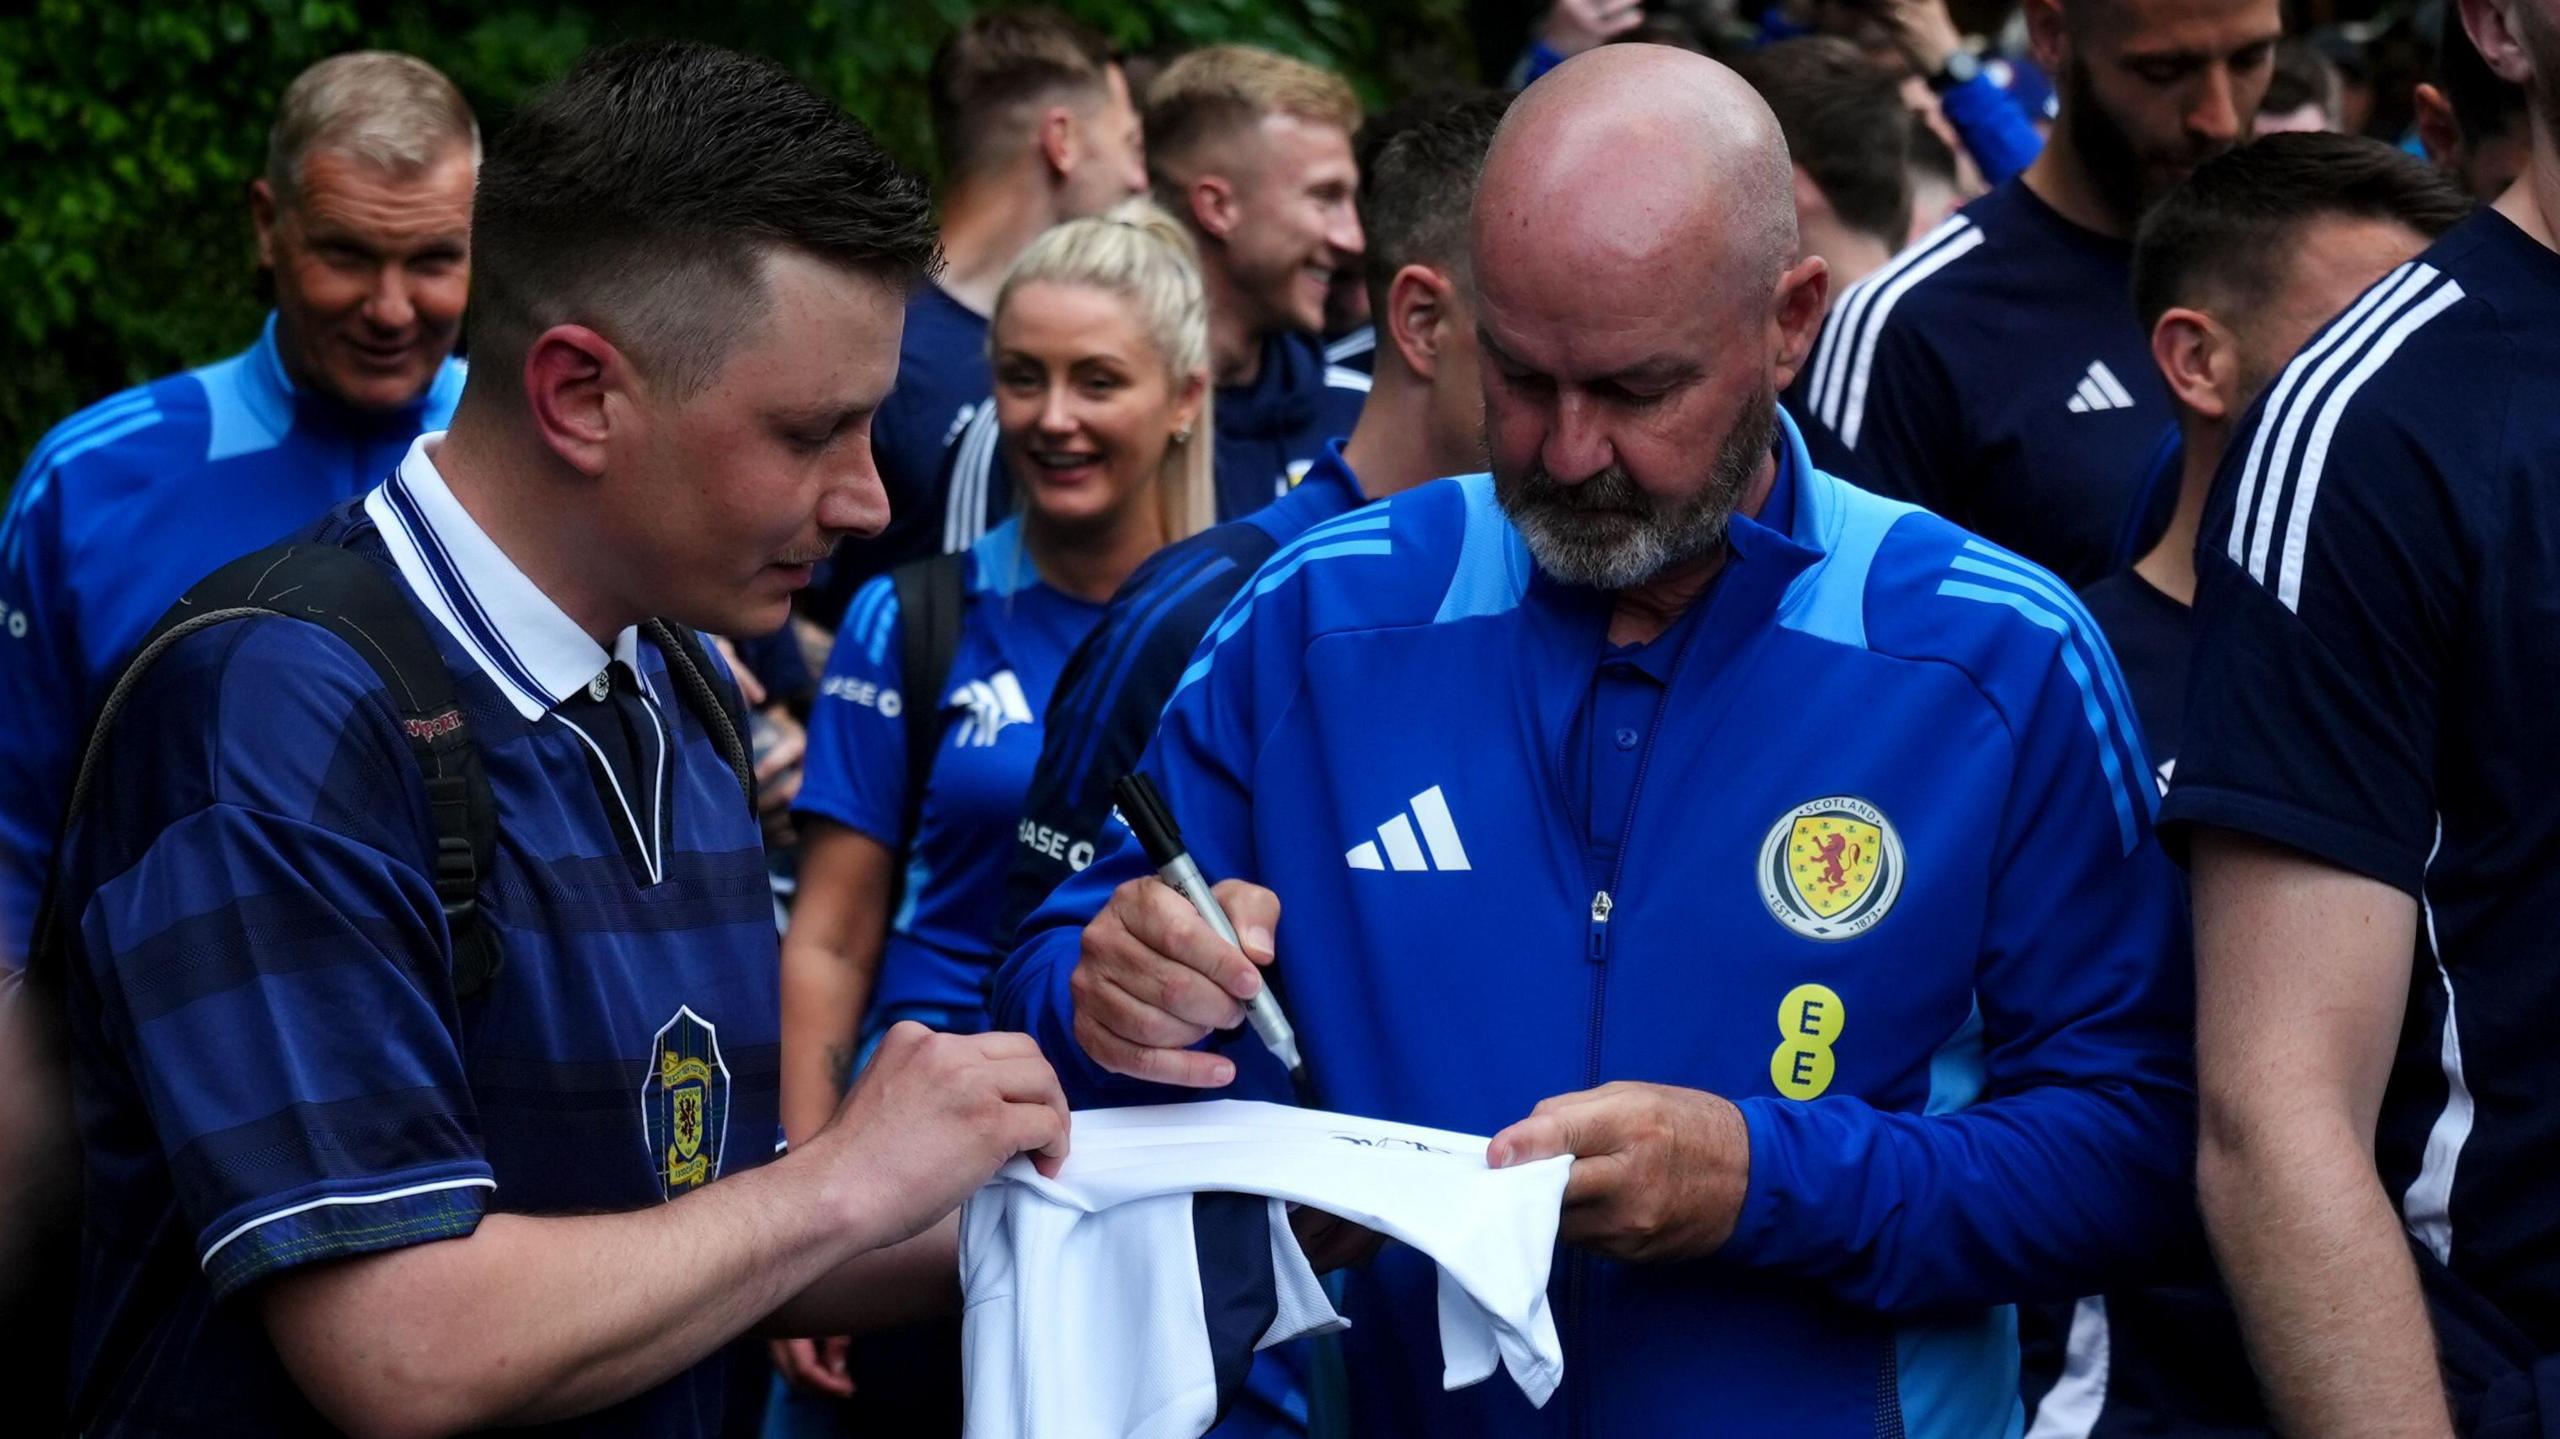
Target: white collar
<point>519,635</point>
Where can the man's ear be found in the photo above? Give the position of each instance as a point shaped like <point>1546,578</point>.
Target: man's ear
<point>2499,36</point>
<point>263,218</point>
<point>1421,305</point>
<point>2049,36</point>
<point>1056,138</point>
<point>2439,133</point>
<point>579,389</point>
<point>1214,205</point>
<point>2198,360</point>
<point>1803,293</point>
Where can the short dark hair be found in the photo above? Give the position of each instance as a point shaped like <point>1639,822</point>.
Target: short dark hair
<point>1930,157</point>
<point>2484,105</point>
<point>2224,235</point>
<point>996,64</point>
<point>641,193</point>
<point>1843,118</point>
<point>1418,167</point>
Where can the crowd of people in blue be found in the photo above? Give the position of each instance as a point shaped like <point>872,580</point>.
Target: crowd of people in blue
<point>1917,647</point>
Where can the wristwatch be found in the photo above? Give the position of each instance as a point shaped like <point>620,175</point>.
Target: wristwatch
<point>1962,65</point>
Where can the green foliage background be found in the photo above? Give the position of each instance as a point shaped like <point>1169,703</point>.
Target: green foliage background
<point>130,131</point>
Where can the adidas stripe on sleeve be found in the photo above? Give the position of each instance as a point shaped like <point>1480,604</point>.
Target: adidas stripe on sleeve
<point>2327,572</point>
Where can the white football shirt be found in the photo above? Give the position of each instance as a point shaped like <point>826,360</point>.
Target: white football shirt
<point>1125,1296</point>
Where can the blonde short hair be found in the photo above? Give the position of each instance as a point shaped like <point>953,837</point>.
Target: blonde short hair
<point>1143,255</point>
<point>387,109</point>
<point>1219,89</point>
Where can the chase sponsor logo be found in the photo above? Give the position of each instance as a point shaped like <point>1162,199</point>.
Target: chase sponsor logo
<point>861,692</point>
<point>684,1104</point>
<point>1830,868</point>
<point>1050,842</point>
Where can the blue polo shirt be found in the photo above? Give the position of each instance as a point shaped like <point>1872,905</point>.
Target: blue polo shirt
<point>123,506</point>
<point>943,386</point>
<point>1995,372</point>
<point>270,1065</point>
<point>1015,635</point>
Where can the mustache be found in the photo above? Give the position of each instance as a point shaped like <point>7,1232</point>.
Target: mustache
<point>809,557</point>
<point>1607,491</point>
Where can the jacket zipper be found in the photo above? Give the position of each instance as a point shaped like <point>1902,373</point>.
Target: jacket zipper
<point>1596,953</point>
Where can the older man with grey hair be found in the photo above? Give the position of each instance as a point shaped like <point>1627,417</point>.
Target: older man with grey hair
<point>363,219</point>
<point>1769,847</point>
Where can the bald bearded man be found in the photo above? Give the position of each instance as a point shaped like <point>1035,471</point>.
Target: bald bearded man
<point>1777,850</point>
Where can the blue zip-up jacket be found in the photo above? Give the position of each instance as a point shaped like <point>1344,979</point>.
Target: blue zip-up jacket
<point>1888,883</point>
<point>118,510</point>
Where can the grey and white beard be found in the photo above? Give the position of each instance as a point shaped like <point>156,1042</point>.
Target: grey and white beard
<point>1609,534</point>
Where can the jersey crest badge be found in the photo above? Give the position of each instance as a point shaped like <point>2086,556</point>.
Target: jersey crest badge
<point>1830,868</point>
<point>684,1104</point>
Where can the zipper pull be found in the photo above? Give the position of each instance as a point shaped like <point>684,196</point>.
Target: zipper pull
<point>1601,904</point>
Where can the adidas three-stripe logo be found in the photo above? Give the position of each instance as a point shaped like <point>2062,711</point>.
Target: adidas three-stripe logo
<point>1402,851</point>
<point>1837,392</point>
<point>2279,485</point>
<point>2099,391</point>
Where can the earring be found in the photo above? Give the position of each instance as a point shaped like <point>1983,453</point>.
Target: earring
<point>1182,436</point>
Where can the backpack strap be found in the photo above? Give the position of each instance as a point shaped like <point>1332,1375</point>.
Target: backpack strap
<point>931,594</point>
<point>713,699</point>
<point>319,582</point>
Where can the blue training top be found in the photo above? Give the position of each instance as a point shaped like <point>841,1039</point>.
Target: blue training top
<point>1015,635</point>
<point>1885,879</point>
<point>1115,684</point>
<point>270,1064</point>
<point>123,506</point>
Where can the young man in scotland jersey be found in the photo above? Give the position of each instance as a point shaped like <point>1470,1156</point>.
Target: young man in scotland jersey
<point>1251,150</point>
<point>1994,372</point>
<point>1035,125</point>
<point>2232,272</point>
<point>1780,851</point>
<point>2366,773</point>
<point>329,1189</point>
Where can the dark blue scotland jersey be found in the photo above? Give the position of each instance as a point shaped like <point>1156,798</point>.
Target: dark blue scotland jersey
<point>277,1071</point>
<point>1995,372</point>
<point>2378,572</point>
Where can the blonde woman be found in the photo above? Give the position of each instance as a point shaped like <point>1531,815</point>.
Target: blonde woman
<point>1099,346</point>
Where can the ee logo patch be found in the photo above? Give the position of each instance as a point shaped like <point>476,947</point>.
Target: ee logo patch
<point>1809,1023</point>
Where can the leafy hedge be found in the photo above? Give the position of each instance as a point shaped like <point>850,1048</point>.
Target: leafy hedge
<point>131,132</point>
